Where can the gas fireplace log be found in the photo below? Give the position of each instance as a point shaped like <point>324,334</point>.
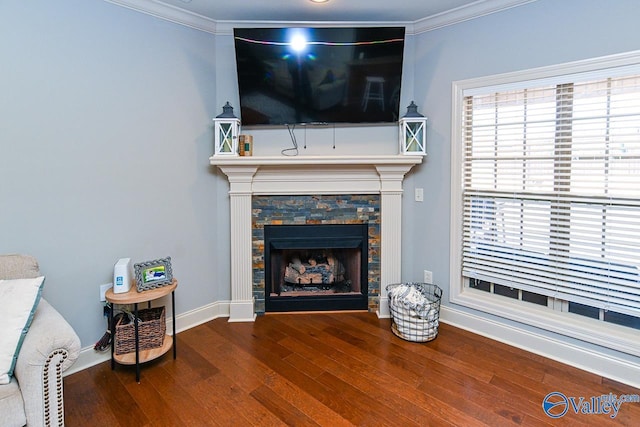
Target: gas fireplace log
<point>291,275</point>
<point>329,270</point>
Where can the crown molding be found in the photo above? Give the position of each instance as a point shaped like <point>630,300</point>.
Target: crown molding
<point>169,13</point>
<point>193,20</point>
<point>465,13</point>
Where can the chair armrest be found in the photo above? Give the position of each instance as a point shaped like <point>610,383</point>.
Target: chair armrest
<point>50,347</point>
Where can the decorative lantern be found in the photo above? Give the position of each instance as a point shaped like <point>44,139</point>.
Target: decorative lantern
<point>413,132</point>
<point>227,127</point>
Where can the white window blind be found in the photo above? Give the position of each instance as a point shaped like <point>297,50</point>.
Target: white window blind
<point>551,190</point>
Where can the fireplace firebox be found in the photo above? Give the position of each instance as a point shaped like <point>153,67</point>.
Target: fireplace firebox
<point>316,267</point>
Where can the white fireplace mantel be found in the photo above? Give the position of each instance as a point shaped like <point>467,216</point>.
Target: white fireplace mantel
<point>311,175</point>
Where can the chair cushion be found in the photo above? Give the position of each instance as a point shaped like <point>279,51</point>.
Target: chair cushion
<point>18,266</point>
<point>19,299</point>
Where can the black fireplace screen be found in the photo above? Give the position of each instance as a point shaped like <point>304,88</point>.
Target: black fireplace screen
<point>316,267</point>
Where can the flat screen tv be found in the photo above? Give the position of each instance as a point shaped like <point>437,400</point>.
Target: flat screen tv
<point>289,76</point>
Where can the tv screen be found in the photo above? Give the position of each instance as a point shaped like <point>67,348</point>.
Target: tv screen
<point>319,75</point>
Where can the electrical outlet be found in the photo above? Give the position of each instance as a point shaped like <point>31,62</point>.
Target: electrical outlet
<point>103,290</point>
<point>428,277</point>
<point>419,195</point>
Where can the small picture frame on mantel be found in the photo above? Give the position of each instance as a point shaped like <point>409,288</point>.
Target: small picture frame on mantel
<point>153,274</point>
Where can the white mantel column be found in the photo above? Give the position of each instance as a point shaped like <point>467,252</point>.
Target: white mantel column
<point>391,177</point>
<point>241,308</point>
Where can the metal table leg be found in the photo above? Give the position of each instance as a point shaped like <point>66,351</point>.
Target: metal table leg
<point>173,317</point>
<point>135,322</point>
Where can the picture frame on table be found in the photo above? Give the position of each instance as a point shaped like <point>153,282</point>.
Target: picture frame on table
<point>153,274</point>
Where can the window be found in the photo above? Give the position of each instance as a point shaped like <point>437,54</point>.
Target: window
<point>547,189</point>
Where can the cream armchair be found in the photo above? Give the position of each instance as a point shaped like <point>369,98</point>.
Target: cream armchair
<point>34,397</point>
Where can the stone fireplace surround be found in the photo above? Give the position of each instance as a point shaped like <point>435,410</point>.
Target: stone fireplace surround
<point>311,175</point>
<point>317,219</point>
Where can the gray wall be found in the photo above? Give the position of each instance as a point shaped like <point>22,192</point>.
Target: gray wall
<point>106,132</point>
<point>105,136</point>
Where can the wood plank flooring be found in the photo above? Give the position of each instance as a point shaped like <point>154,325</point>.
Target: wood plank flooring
<point>334,369</point>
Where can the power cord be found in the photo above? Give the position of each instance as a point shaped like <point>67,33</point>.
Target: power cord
<point>286,151</point>
<point>104,343</point>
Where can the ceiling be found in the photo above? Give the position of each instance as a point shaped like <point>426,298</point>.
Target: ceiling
<point>306,10</point>
<point>205,14</point>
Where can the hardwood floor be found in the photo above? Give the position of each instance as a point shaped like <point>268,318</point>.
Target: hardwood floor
<point>334,369</point>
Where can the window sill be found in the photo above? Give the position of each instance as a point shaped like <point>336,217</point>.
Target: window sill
<point>607,335</point>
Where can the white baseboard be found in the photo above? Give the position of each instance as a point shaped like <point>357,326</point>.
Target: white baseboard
<point>90,357</point>
<point>589,360</point>
<point>383,308</point>
<point>242,311</point>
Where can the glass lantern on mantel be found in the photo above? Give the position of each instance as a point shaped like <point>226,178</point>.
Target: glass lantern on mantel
<point>226,128</point>
<point>413,132</point>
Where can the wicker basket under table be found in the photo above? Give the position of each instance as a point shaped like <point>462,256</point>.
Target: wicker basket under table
<point>414,319</point>
<point>152,328</point>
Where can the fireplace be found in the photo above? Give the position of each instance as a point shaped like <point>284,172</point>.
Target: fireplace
<point>251,178</point>
<point>316,267</point>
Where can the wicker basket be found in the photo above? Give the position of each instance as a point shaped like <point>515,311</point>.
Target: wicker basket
<point>152,328</point>
<point>415,310</point>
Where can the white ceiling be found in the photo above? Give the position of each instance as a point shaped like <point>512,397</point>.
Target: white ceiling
<point>305,10</point>
<point>205,14</point>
